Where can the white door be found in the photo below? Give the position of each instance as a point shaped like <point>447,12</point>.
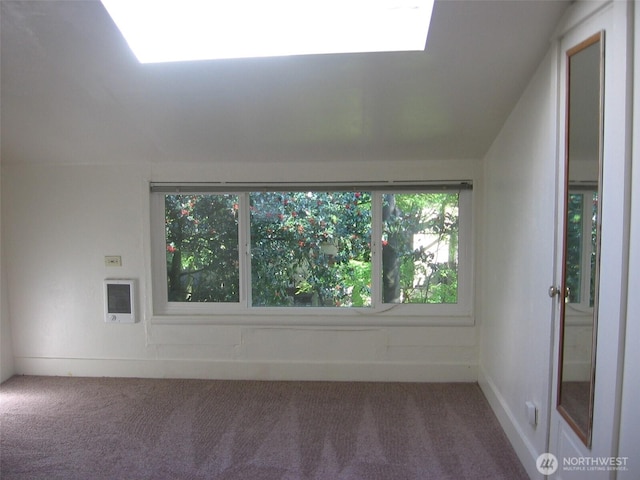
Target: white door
<point>580,448</point>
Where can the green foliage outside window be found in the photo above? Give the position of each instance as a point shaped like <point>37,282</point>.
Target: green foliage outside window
<point>202,248</point>
<point>420,248</point>
<point>576,267</point>
<point>313,248</point>
<point>573,260</point>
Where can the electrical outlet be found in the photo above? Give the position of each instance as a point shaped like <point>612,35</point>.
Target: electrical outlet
<point>113,261</point>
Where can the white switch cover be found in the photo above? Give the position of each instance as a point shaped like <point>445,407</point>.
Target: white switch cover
<point>113,261</point>
<point>532,413</point>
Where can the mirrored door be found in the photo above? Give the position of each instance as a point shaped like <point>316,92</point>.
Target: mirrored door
<point>581,226</point>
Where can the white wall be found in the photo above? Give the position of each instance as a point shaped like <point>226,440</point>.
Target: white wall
<point>6,347</point>
<point>516,254</point>
<point>63,219</point>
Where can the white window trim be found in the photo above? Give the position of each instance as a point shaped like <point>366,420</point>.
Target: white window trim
<point>242,312</point>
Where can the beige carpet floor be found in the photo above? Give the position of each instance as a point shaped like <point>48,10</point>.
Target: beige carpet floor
<point>115,428</point>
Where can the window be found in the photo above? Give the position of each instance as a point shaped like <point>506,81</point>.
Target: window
<point>165,31</point>
<point>201,233</point>
<point>420,248</point>
<point>272,250</point>
<point>310,249</point>
<point>582,213</point>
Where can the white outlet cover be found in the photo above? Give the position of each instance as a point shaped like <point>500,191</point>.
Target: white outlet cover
<point>532,413</point>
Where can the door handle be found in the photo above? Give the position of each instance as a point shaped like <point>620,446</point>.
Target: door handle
<point>554,291</point>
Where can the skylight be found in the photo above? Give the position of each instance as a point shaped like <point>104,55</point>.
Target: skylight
<point>179,30</point>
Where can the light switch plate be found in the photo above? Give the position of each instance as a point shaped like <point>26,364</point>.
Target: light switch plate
<point>113,261</point>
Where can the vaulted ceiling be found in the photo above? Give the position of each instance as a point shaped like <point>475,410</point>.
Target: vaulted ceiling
<point>73,93</point>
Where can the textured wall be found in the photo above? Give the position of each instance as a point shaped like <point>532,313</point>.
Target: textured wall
<point>61,222</point>
<point>517,262</point>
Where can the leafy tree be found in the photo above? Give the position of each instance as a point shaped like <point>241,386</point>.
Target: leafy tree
<point>413,273</point>
<point>312,248</point>
<point>202,248</point>
<point>576,243</point>
<point>573,256</point>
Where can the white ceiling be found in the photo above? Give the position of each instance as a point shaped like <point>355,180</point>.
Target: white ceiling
<point>73,93</point>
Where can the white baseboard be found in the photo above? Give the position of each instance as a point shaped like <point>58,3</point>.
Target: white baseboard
<point>526,452</point>
<point>243,370</point>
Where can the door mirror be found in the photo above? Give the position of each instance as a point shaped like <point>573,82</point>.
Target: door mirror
<point>582,219</point>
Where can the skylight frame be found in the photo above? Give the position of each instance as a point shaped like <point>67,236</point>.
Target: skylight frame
<point>213,29</point>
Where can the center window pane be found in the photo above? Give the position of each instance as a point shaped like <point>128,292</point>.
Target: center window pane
<point>311,249</point>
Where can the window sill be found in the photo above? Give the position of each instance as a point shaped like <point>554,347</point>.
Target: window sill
<point>315,317</point>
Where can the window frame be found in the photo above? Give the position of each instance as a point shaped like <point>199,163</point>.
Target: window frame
<point>242,311</point>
